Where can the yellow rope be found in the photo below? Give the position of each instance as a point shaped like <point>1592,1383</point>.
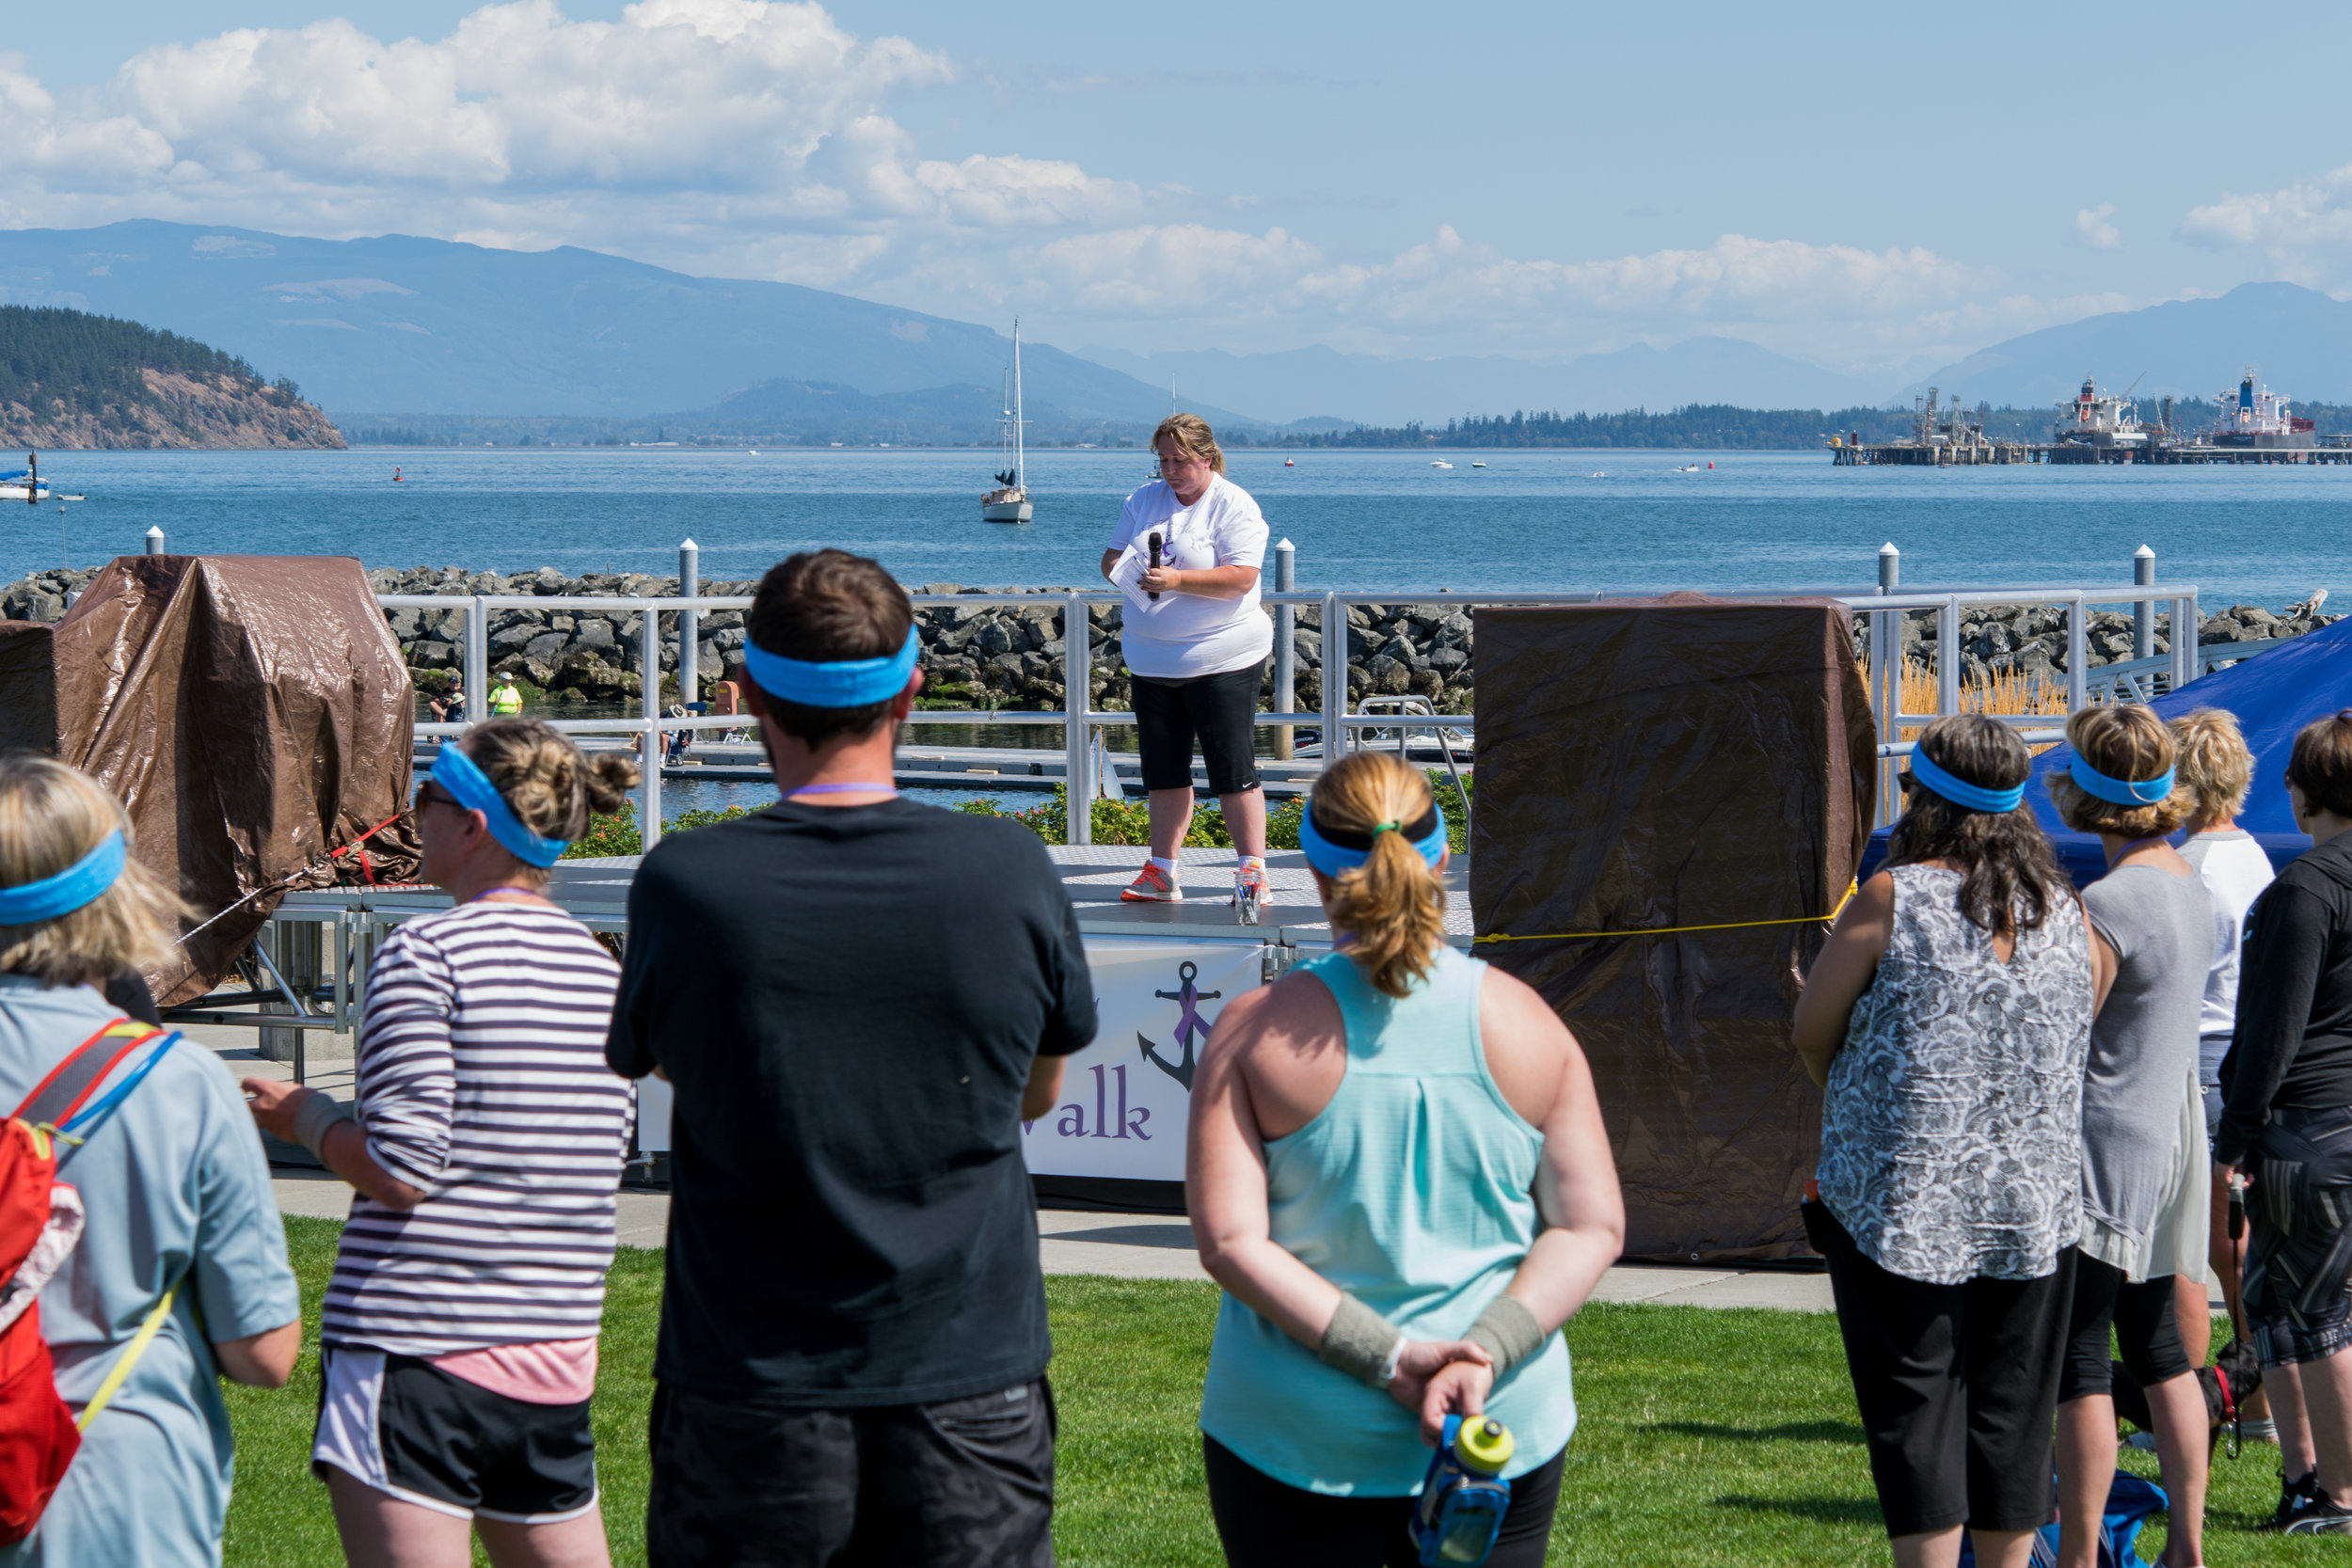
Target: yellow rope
<point>1672,930</point>
<point>113,1386</point>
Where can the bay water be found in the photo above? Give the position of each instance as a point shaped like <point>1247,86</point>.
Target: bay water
<point>1756,522</point>
<point>1363,521</point>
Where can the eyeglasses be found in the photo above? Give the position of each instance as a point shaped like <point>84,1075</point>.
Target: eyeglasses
<point>431,794</point>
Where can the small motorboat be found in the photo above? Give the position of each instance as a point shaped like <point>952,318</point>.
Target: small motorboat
<point>1688,469</point>
<point>1597,474</point>
<point>1441,462</point>
<point>1477,464</point>
<point>22,486</point>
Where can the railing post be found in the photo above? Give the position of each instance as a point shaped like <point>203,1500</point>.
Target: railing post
<point>155,540</point>
<point>2184,639</point>
<point>1947,656</point>
<point>1887,681</point>
<point>649,688</point>
<point>1334,679</point>
<point>690,586</point>
<point>1285,649</point>
<point>2144,612</point>
<point>1078,701</point>
<point>2077,654</point>
<point>477,662</point>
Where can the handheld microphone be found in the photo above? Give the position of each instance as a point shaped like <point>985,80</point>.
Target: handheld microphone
<point>1156,562</point>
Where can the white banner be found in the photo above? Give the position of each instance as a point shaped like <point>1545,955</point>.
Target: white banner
<point>1125,1097</point>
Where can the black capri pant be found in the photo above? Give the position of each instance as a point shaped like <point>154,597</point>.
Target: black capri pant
<point>1957,1385</point>
<point>1264,1523</point>
<point>1220,710</point>
<point>2146,1329</point>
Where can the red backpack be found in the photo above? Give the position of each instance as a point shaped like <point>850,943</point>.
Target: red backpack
<point>41,1220</point>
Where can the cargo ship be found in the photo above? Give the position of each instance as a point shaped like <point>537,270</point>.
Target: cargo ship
<point>2255,417</point>
<point>2092,420</point>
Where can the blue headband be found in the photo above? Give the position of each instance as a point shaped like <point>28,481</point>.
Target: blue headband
<point>1331,858</point>
<point>30,903</point>
<point>2122,792</point>
<point>456,772</point>
<point>846,683</point>
<point>1960,792</point>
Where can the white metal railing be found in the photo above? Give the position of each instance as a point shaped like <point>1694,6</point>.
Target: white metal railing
<point>1884,608</point>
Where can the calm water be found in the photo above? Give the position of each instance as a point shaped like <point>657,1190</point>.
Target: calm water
<point>1758,522</point>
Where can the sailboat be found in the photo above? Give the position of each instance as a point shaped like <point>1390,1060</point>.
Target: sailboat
<point>1009,502</point>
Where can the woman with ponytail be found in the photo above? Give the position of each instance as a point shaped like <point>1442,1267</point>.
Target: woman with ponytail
<point>459,1340</point>
<point>1398,1173</point>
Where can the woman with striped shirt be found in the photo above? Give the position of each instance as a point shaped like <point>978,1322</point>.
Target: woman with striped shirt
<point>459,1340</point>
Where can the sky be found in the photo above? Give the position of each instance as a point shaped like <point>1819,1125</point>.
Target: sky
<point>1877,190</point>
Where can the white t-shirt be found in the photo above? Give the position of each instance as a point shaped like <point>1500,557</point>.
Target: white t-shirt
<point>1190,634</point>
<point>2234,870</point>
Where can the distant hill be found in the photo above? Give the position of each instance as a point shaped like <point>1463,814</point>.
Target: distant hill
<point>2300,340</point>
<point>1308,382</point>
<point>412,325</point>
<point>73,380</point>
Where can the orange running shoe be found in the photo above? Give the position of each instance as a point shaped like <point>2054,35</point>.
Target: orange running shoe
<point>1152,886</point>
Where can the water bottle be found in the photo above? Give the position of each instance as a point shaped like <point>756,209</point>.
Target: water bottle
<point>1459,1512</point>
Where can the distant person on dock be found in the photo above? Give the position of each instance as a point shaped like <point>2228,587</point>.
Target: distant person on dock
<point>459,1340</point>
<point>2146,1169</point>
<point>450,706</point>
<point>1196,643</point>
<point>856,1001</point>
<point>1948,1020</point>
<point>1398,1172</point>
<point>2215,770</point>
<point>2287,1121</point>
<point>506,698</point>
<point>182,1233</point>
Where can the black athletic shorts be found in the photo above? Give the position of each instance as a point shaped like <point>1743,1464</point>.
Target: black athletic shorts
<point>1220,710</point>
<point>1957,1385</point>
<point>416,1432</point>
<point>2146,1326</point>
<point>1264,1523</point>
<point>963,1483</point>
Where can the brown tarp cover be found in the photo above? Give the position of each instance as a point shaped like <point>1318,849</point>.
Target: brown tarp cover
<point>1663,763</point>
<point>251,713</point>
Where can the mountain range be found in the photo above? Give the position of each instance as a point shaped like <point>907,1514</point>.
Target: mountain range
<point>407,325</point>
<point>2298,340</point>
<point>378,330</point>
<point>1301,383</point>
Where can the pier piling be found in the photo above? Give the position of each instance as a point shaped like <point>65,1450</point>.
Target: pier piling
<point>155,540</point>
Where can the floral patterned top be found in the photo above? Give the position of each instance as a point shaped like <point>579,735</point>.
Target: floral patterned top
<point>1952,1132</point>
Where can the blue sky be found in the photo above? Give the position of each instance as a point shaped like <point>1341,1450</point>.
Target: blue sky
<point>1878,190</point>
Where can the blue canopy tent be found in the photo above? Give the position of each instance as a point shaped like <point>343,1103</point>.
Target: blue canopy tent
<point>2273,697</point>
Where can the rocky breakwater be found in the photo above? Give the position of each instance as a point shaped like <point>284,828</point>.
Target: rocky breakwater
<point>2029,641</point>
<point>1007,655</point>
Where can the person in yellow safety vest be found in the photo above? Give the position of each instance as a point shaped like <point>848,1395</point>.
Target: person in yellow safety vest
<point>505,699</point>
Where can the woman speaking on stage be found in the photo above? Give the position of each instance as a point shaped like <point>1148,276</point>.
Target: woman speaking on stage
<point>1187,556</point>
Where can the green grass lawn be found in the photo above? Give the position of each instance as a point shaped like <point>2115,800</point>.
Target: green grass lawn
<point>1705,1436</point>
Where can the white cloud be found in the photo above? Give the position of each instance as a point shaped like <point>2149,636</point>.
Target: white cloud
<point>2091,226</point>
<point>756,138</point>
<point>2309,213</point>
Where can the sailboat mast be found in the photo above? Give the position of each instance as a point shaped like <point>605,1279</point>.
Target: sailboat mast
<point>1019,478</point>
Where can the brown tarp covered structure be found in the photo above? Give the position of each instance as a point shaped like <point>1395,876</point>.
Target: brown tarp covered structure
<point>1674,763</point>
<point>252,714</point>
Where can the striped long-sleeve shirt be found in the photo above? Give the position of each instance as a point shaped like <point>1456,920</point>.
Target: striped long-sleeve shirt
<point>482,1081</point>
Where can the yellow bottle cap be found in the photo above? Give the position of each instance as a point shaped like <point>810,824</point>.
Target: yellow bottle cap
<point>1484,1444</point>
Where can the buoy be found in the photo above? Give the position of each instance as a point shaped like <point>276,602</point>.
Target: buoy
<point>395,476</point>
<point>1711,465</point>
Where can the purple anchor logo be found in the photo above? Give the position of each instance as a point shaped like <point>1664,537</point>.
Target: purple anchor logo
<point>1190,1026</point>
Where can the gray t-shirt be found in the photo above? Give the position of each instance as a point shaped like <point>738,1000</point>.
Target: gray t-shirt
<point>2144,1052</point>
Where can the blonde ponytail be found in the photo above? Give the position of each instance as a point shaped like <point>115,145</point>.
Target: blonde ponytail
<point>1393,907</point>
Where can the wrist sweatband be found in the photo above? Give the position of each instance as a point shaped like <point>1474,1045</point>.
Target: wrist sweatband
<point>1507,1331</point>
<point>314,1117</point>
<point>1361,1343</point>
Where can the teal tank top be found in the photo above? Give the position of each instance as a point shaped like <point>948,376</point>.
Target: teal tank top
<point>1410,1191</point>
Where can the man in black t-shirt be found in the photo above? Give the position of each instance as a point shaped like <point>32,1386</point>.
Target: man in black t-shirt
<point>856,1001</point>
